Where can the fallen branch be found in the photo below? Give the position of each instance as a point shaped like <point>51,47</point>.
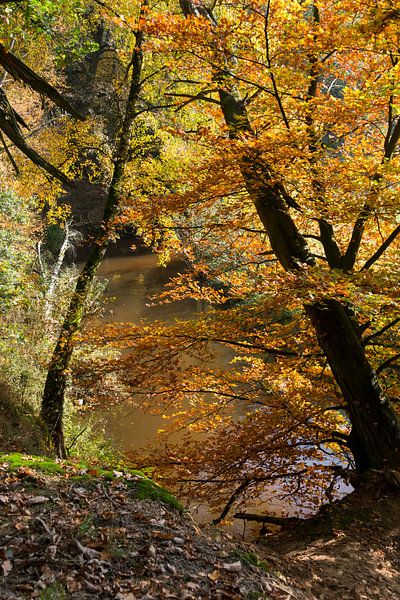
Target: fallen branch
<point>272,520</point>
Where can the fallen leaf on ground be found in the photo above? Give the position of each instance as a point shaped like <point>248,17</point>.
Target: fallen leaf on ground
<point>7,567</point>
<point>214,575</point>
<point>38,500</point>
<point>232,567</point>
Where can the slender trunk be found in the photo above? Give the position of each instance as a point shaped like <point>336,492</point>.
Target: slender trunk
<point>68,236</point>
<point>54,390</point>
<point>375,435</point>
<point>52,409</point>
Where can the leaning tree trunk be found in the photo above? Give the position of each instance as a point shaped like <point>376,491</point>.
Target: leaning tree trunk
<point>53,396</point>
<point>375,434</point>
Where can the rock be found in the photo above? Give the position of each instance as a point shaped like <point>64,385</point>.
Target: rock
<point>232,567</point>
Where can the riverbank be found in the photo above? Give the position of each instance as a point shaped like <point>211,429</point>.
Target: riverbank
<point>70,530</point>
<point>351,550</point>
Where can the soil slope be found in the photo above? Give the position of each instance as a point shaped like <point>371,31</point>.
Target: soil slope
<point>80,533</point>
<point>73,531</point>
<point>352,551</point>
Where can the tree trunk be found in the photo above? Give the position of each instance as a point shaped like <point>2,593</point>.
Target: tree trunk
<point>288,244</point>
<point>52,409</point>
<point>53,396</point>
<point>375,435</point>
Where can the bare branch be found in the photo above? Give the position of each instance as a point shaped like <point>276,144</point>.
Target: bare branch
<point>269,65</point>
<point>232,499</point>
<point>382,248</point>
<point>380,331</point>
<point>9,155</point>
<point>387,363</point>
<point>270,519</point>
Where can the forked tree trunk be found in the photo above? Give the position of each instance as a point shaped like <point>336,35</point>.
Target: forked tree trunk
<point>287,242</point>
<point>53,396</point>
<point>375,434</point>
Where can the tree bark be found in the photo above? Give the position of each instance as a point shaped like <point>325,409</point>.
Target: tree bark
<point>288,244</point>
<point>375,434</point>
<point>54,391</point>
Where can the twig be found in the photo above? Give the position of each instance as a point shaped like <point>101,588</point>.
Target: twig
<point>9,155</point>
<point>76,438</point>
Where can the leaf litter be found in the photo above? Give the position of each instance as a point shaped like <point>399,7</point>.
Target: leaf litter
<point>92,538</point>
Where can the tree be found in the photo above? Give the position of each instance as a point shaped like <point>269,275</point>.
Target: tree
<point>375,436</point>
<point>302,119</point>
<point>54,390</point>
<point>34,20</point>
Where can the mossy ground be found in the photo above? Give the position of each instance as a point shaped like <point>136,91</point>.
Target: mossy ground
<point>143,487</point>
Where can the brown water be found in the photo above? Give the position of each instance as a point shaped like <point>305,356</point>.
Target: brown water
<point>133,280</point>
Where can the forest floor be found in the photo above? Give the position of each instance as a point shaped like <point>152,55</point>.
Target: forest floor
<point>73,531</point>
<point>350,552</point>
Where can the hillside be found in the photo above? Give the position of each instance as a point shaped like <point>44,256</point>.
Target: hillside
<point>70,530</point>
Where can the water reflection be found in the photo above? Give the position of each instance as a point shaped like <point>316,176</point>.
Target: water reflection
<point>133,281</point>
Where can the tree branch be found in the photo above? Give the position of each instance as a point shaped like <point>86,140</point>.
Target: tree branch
<point>272,520</point>
<point>191,98</point>
<point>9,155</point>
<point>382,248</point>
<point>270,72</point>
<point>350,255</point>
<point>381,331</point>
<point>21,72</point>
<point>232,499</point>
<point>387,363</point>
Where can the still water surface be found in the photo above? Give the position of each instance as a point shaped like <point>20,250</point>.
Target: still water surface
<point>133,280</point>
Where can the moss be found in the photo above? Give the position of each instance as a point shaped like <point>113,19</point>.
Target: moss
<point>142,486</point>
<point>54,591</point>
<point>251,558</point>
<point>146,488</point>
<point>43,464</point>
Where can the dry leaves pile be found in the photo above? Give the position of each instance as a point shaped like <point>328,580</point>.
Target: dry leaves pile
<point>62,538</point>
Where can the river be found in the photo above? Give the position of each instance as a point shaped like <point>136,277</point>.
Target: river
<point>132,280</point>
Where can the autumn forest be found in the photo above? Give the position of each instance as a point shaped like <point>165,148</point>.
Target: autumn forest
<point>251,151</point>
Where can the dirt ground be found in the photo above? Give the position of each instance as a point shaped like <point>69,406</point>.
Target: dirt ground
<point>350,553</point>
<point>82,536</point>
<point>93,538</point>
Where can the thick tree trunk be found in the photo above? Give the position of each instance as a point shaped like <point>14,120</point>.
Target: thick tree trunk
<point>288,244</point>
<point>286,241</point>
<point>375,435</point>
<point>54,390</point>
